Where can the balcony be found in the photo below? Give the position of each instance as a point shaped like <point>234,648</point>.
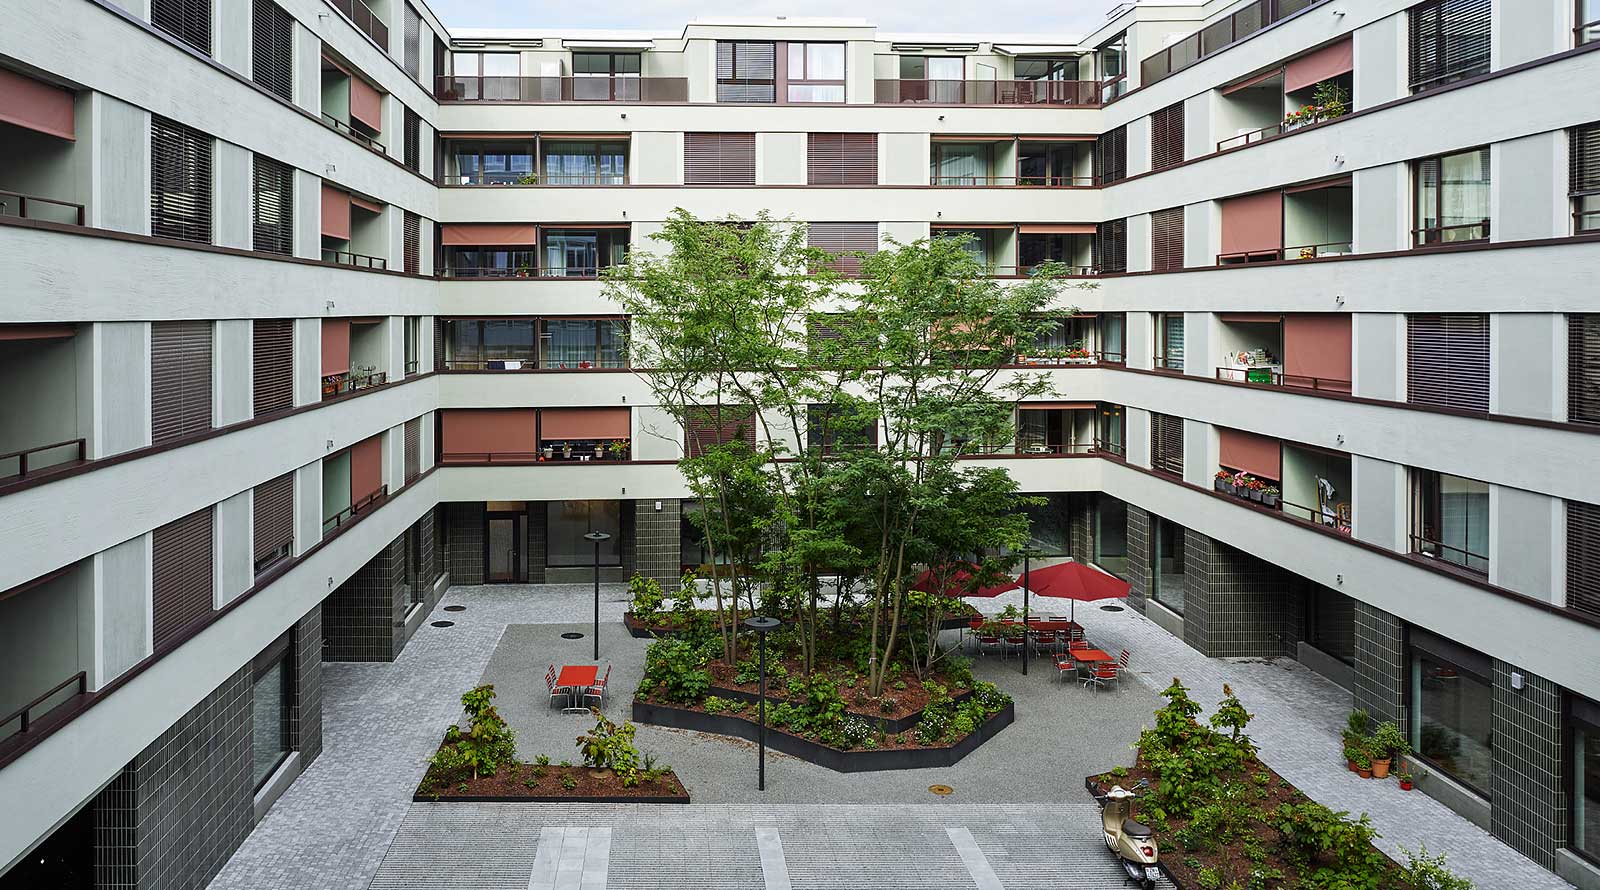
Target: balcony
<point>354,355</point>
<point>1450,520</point>
<point>351,106</point>
<point>19,206</point>
<point>352,484</point>
<point>567,252</point>
<point>1311,221</point>
<point>366,20</point>
<point>1084,339</point>
<point>1299,351</point>
<point>43,669</point>
<point>1042,93</point>
<point>1218,35</point>
<point>547,90</point>
<point>1311,89</point>
<point>556,344</point>
<point>39,364</point>
<point>39,179</point>
<point>994,163</point>
<point>1310,485</point>
<point>1058,428</point>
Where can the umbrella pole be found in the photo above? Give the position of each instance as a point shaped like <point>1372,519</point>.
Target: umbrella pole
<point>1024,615</point>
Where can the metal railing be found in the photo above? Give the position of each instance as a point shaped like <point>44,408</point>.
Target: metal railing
<point>530,363</point>
<point>1249,256</point>
<point>1051,182</point>
<point>1078,357</point>
<point>347,381</point>
<point>1315,516</point>
<point>523,272</point>
<point>412,366</point>
<point>1221,33</point>
<point>490,179</point>
<point>996,271</point>
<point>1167,362</point>
<point>1269,377</point>
<point>351,513</point>
<point>1058,449</point>
<point>1317,251</point>
<point>366,20</point>
<point>1117,448</point>
<point>489,457</point>
<point>1434,236</point>
<point>345,129</point>
<point>1111,358</point>
<point>1466,559</point>
<point>1586,220</point>
<point>46,209</point>
<point>1084,93</point>
<point>1113,88</point>
<point>21,457</point>
<point>451,88</point>
<point>1588,32</point>
<point>23,716</point>
<point>359,260</point>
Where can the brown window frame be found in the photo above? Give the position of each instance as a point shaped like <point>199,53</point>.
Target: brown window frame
<point>1166,240</point>
<point>1166,443</point>
<point>182,205</point>
<point>1584,176</point>
<point>272,49</point>
<point>1434,236</point>
<point>734,82</point>
<point>1432,60</point>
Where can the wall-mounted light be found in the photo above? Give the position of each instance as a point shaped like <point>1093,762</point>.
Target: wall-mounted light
<point>1339,439</point>
<point>1338,579</point>
<point>1338,299</point>
<point>624,115</point>
<point>624,489</point>
<point>1516,680</point>
<point>624,400</point>
<point>329,168</point>
<point>658,506</point>
<point>328,445</point>
<point>1338,13</point>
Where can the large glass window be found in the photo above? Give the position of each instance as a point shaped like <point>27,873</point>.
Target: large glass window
<point>580,343</point>
<point>498,344</point>
<point>489,162</point>
<point>1111,535</point>
<point>937,79</point>
<point>1047,69</point>
<point>1586,777</point>
<point>1450,519</point>
<point>489,262</point>
<point>1112,58</point>
<point>1111,333</point>
<point>582,253</point>
<point>604,77</point>
<point>486,64</point>
<point>584,163</point>
<point>831,428</point>
<point>1169,579</point>
<point>1110,430</point>
<point>1452,198</point>
<point>962,163</point>
<point>816,72</point>
<point>1588,30</point>
<point>270,701</point>
<point>1451,706</point>
<point>569,521</point>
<point>1169,341</point>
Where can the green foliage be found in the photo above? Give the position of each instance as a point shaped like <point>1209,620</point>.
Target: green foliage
<point>647,596</point>
<point>1388,741</point>
<point>717,705</point>
<point>569,782</point>
<point>958,671</point>
<point>1424,872</point>
<point>542,760</point>
<point>1331,850</point>
<point>487,743</point>
<point>675,669</point>
<point>609,746</point>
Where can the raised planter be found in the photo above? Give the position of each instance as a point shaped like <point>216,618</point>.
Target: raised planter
<point>506,787</point>
<point>887,724</point>
<point>816,752</point>
<point>639,630</point>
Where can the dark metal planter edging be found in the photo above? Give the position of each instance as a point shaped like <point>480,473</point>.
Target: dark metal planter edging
<point>884,723</point>
<point>640,631</point>
<point>817,753</point>
<point>419,797</point>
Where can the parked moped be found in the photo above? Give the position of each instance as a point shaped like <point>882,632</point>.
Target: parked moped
<point>1132,841</point>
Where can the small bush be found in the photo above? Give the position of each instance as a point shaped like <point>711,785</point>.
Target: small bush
<point>647,596</point>
<point>487,743</point>
<point>1424,872</point>
<point>609,746</point>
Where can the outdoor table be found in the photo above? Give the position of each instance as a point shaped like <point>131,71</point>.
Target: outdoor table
<point>1090,655</point>
<point>1034,624</point>
<point>573,678</point>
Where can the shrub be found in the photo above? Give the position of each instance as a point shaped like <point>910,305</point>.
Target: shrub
<point>1389,742</point>
<point>487,743</point>
<point>958,671</point>
<point>647,596</point>
<point>609,746</point>
<point>676,670</point>
<point>1424,872</point>
<point>1332,850</point>
<point>717,705</point>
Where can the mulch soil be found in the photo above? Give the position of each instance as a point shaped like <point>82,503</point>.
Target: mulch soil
<point>513,781</point>
<point>910,700</point>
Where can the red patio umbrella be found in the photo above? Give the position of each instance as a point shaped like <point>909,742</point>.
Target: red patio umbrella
<point>1076,581</point>
<point>957,583</point>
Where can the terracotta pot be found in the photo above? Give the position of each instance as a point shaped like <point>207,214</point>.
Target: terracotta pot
<point>1380,769</point>
<point>1364,773</point>
<point>1351,765</point>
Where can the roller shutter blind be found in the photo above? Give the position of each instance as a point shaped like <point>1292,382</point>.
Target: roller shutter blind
<point>438,343</point>
<point>1166,137</point>
<point>1166,443</point>
<point>1111,156</point>
<point>413,44</point>
<point>413,449</point>
<point>1166,240</point>
<point>272,210</point>
<point>180,181</point>
<point>180,573</point>
<point>1111,246</point>
<point>719,159</point>
<point>187,20</point>
<point>1583,369</point>
<point>273,365</point>
<point>842,158</point>
<point>839,238</point>
<point>1449,41</point>
<point>272,49</point>
<point>1584,160</point>
<point>274,520</point>
<point>413,140</point>
<point>413,244</point>
<point>1583,557</point>
<point>746,71</point>
<point>707,426</point>
<point>180,379</point>
<point>1447,361</point>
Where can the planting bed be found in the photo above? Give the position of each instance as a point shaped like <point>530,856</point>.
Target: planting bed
<point>667,624</point>
<point>531,783</point>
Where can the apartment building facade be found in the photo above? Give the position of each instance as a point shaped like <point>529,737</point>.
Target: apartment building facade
<point>303,323</point>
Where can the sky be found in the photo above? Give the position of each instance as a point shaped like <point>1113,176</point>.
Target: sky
<point>1011,17</point>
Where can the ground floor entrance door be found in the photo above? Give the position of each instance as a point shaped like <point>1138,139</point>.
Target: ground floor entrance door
<point>503,562</point>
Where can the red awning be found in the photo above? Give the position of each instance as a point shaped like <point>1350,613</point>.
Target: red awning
<point>1250,453</point>
<point>1314,67</point>
<point>366,205</point>
<point>1056,229</point>
<point>38,106</point>
<point>335,213</point>
<point>489,234</point>
<point>1075,581</point>
<point>584,423</point>
<point>366,104</point>
<point>1249,82</point>
<point>37,331</point>
<point>335,346</point>
<point>1268,317</point>
<point>959,583</point>
<point>1055,406</point>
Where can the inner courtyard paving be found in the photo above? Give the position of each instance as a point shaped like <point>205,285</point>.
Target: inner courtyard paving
<point>1018,818</point>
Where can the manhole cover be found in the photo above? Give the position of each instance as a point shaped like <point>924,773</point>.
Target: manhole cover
<point>1111,608</point>
<point>572,635</point>
<point>444,624</point>
<point>455,608</point>
<point>941,790</point>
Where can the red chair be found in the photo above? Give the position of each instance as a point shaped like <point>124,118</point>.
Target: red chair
<point>987,640</point>
<point>550,685</point>
<point>1103,674</point>
<point>1122,659</point>
<point>1045,641</point>
<point>1065,665</point>
<point>974,626</point>
<point>1079,643</point>
<point>598,690</point>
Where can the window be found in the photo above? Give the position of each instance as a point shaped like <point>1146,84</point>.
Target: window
<point>961,163</point>
<point>272,206</point>
<point>747,71</point>
<point>1168,567</point>
<point>568,521</point>
<point>1110,534</point>
<point>1112,58</point>
<point>1588,31</point>
<point>1452,709</point>
<point>1111,156</point>
<point>490,262</point>
<point>1166,443</point>
<point>1452,198</point>
<point>1166,137</point>
<point>1449,42</point>
<point>180,575</point>
<point>273,506</point>
<point>500,344</point>
<point>180,181</point>
<point>1585,777</point>
<point>271,703</point>
<point>413,43</point>
<point>816,72</point>
<point>1583,563</point>
<point>1111,246</point>
<point>832,428</point>
<point>1166,240</point>
<point>1585,172</point>
<point>848,241</point>
<point>582,253</point>
<point>1046,69</point>
<point>1583,369</point>
<point>1450,519</point>
<point>1169,341</point>
<point>584,163</point>
<point>1111,430</point>
<point>1447,361</point>
<point>708,426</point>
<point>413,449</point>
<point>583,343</point>
<point>187,20</point>
<point>180,380</point>
<point>486,64</point>
<point>413,140</point>
<point>272,49</point>
<point>719,159</point>
<point>842,158</point>
<point>489,162</point>
<point>272,359</point>
<point>604,77</point>
<point>412,256</point>
<point>1111,325</point>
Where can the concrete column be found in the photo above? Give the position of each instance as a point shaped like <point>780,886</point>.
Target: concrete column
<point>1138,155</point>
<point>307,215</point>
<point>232,530</point>
<point>233,43</point>
<point>307,361</point>
<point>1524,32</point>
<point>1380,506</point>
<point>231,172</point>
<point>1381,208</point>
<point>118,160</point>
<point>232,371</point>
<point>394,457</point>
<point>781,159</point>
<point>425,442</point>
<point>1199,332</point>
<point>1138,342</point>
<point>307,507</point>
<point>425,241</point>
<point>1528,189</point>
<point>1530,364</point>
<point>113,361</point>
<point>1139,530</point>
<point>1136,436</point>
<point>1198,133</point>
<point>307,69</point>
<point>1202,233</point>
<point>1201,452</point>
<point>1527,542</point>
<point>121,609</point>
<point>1378,360</point>
<point>1139,241</point>
<point>1380,62</point>
<point>1236,604</point>
<point>305,717</point>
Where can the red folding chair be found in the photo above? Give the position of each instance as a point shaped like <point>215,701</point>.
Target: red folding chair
<point>987,641</point>
<point>550,685</point>
<point>598,690</point>
<point>1065,666</point>
<point>1122,659</point>
<point>1103,674</point>
<point>1044,641</point>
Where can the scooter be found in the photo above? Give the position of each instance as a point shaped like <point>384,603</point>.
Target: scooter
<point>1132,841</point>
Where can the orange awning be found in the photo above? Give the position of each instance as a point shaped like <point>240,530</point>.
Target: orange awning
<point>335,213</point>
<point>366,104</point>
<point>37,106</point>
<point>1056,229</point>
<point>584,423</point>
<point>490,234</point>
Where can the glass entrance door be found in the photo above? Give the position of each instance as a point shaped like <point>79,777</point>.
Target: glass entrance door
<point>503,543</point>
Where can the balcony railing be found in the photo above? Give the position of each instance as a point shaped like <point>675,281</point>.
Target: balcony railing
<point>1270,377</point>
<point>580,272</point>
<point>1218,34</point>
<point>1466,559</point>
<point>348,381</point>
<point>354,511</point>
<point>996,271</point>
<point>1056,448</point>
<point>1056,93</point>
<point>33,455</point>
<point>24,718</point>
<point>1317,251</point>
<point>1435,236</point>
<point>1104,446</point>
<point>450,88</point>
<point>345,129</point>
<point>1249,256</point>
<point>366,20</point>
<point>1111,358</point>
<point>1050,182</point>
<point>47,209</point>
<point>1167,362</point>
<point>1072,357</point>
<point>1330,517</point>
<point>359,260</point>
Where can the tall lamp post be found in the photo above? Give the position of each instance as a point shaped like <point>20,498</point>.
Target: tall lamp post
<point>597,538</point>
<point>761,625</point>
<point>1025,556</point>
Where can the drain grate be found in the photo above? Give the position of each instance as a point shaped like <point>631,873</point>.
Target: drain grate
<point>455,608</point>
<point>941,790</point>
<point>444,624</point>
<point>572,635</point>
<point>1111,608</point>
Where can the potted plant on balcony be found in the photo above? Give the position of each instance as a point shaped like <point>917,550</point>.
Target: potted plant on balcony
<point>528,179</point>
<point>618,449</point>
<point>549,452</point>
<point>566,450</point>
<point>1405,781</point>
<point>1254,489</point>
<point>1078,355</point>
<point>1269,496</point>
<point>599,451</point>
<point>1224,482</point>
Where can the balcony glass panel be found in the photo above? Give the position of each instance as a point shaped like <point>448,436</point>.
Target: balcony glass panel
<point>585,163</point>
<point>490,162</point>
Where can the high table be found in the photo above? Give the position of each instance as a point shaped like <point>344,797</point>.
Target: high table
<point>574,678</point>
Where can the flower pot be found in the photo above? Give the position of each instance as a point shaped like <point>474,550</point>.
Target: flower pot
<point>1224,487</point>
<point>1255,495</point>
<point>1364,772</point>
<point>1351,765</point>
<point>1405,785</point>
<point>1380,769</point>
<point>1269,500</point>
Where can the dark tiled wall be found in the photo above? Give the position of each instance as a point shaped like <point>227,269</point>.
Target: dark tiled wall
<point>364,620</point>
<point>465,543</point>
<point>1138,557</point>
<point>538,522</point>
<point>1380,668</point>
<point>1080,526</point>
<point>1528,790</point>
<point>175,814</point>
<point>305,717</point>
<point>1237,604</point>
<point>657,538</point>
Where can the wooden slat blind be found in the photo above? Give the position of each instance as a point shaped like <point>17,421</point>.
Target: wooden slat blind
<point>838,238</point>
<point>272,49</point>
<point>842,158</point>
<point>274,519</point>
<point>1583,368</point>
<point>719,159</point>
<point>413,243</point>
<point>180,379</point>
<point>1166,443</point>
<point>1447,361</point>
<point>710,425</point>
<point>1111,156</point>
<point>413,44</point>
<point>1449,41</point>
<point>438,343</point>
<point>1583,557</point>
<point>180,181</point>
<point>1111,246</point>
<point>180,574</point>
<point>413,449</point>
<point>187,20</point>
<point>273,365</point>
<point>1584,161</point>
<point>413,140</point>
<point>1166,240</point>
<point>747,71</point>
<point>272,210</point>
<point>1166,137</point>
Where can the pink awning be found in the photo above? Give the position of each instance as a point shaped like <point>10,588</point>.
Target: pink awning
<point>364,204</point>
<point>335,346</point>
<point>1260,456</point>
<point>37,106</point>
<point>490,234</point>
<point>335,213</point>
<point>556,424</point>
<point>1074,581</point>
<point>37,331</point>
<point>1314,67</point>
<point>1249,82</point>
<point>956,580</point>
<point>477,433</point>
<point>1316,346</point>
<point>1252,223</point>
<point>1255,317</point>
<point>366,467</point>
<point>1056,229</point>
<point>366,104</point>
